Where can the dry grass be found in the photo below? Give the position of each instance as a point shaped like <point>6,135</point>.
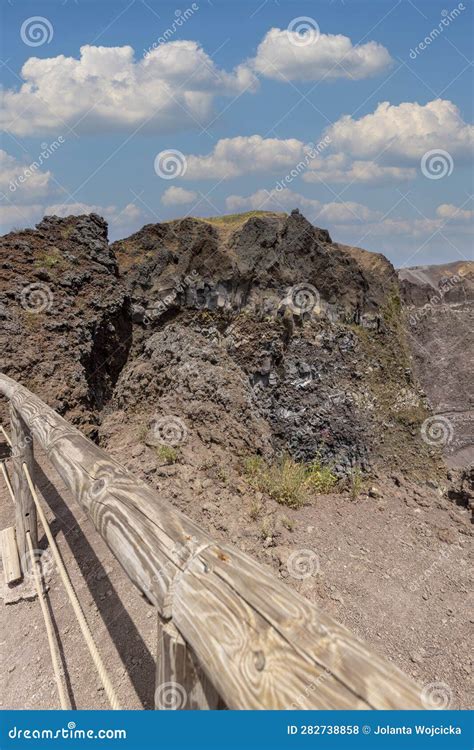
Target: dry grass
<point>289,482</point>
<point>167,453</point>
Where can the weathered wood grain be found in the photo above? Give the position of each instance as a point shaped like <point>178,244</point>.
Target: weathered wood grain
<point>259,643</point>
<point>25,509</point>
<point>181,684</point>
<point>10,558</point>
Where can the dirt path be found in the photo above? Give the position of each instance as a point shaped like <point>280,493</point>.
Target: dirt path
<point>394,568</point>
<point>123,624</point>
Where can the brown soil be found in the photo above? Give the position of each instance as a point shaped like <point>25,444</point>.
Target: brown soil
<point>393,568</point>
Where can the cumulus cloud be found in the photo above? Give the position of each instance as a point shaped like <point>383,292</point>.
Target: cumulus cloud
<point>106,89</point>
<point>405,131</point>
<point>339,168</point>
<point>19,216</point>
<point>22,180</point>
<point>177,196</point>
<point>232,157</point>
<point>352,218</point>
<point>286,199</point>
<point>283,55</point>
<point>118,218</point>
<point>454,214</point>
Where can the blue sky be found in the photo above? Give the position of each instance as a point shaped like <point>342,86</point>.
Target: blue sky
<point>242,93</point>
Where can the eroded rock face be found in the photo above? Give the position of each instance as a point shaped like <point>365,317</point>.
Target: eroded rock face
<point>65,317</point>
<point>257,333</point>
<point>312,329</point>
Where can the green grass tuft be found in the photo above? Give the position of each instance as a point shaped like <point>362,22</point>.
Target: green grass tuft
<point>167,453</point>
<point>289,482</point>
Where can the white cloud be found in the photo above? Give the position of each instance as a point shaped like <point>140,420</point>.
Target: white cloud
<point>233,157</point>
<point>118,218</point>
<point>177,196</point>
<point>339,168</point>
<point>352,218</point>
<point>454,214</point>
<point>105,89</point>
<point>285,200</point>
<point>404,132</point>
<point>21,181</point>
<point>18,216</point>
<point>281,55</point>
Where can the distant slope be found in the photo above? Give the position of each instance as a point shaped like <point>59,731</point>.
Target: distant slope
<point>440,325</point>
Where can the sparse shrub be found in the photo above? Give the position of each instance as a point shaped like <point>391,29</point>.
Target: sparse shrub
<point>287,481</point>
<point>265,529</point>
<point>255,510</point>
<point>321,478</point>
<point>142,432</point>
<point>222,475</point>
<point>287,523</point>
<point>167,453</point>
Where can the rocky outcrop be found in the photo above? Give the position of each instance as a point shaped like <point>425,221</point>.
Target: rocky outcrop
<point>65,315</point>
<point>255,332</point>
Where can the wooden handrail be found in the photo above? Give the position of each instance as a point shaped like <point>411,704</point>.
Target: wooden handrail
<point>259,643</point>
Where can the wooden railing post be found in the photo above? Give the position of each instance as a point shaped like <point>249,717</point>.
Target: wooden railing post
<point>180,683</point>
<point>236,629</point>
<point>25,509</point>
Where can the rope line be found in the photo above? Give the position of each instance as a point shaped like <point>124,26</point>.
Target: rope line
<point>7,482</point>
<point>6,436</point>
<point>104,677</point>
<point>48,623</point>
